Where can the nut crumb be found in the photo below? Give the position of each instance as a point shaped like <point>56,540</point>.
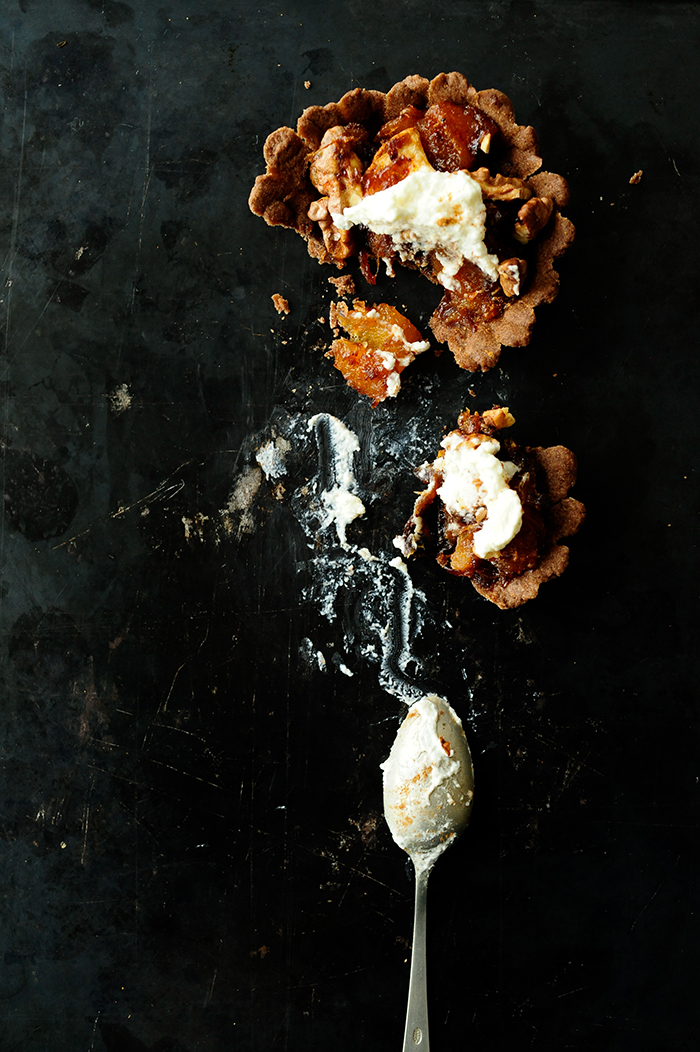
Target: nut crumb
<point>307,84</point>
<point>636,178</point>
<point>281,304</point>
<point>344,284</point>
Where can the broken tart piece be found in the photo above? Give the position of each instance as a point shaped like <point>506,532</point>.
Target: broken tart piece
<point>382,343</point>
<point>496,519</point>
<point>438,177</point>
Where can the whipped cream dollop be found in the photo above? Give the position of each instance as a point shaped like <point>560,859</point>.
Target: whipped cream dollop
<point>429,211</point>
<point>428,781</point>
<point>473,477</point>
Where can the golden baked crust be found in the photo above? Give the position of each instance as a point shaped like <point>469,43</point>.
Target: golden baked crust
<point>285,195</point>
<point>535,554</point>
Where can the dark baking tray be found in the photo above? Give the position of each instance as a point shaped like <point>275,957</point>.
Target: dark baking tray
<point>193,853</point>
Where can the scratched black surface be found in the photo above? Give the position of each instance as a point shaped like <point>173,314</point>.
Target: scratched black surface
<point>193,856</point>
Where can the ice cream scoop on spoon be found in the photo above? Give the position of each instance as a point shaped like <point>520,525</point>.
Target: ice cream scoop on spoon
<point>428,792</point>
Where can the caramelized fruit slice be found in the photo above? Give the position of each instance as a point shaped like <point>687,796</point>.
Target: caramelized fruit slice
<point>521,554</point>
<point>383,342</point>
<point>400,155</point>
<point>452,135</point>
<point>408,118</point>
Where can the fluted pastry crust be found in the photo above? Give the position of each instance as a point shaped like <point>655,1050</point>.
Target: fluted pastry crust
<point>284,195</point>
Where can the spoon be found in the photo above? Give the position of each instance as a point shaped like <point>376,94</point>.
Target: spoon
<point>428,792</point>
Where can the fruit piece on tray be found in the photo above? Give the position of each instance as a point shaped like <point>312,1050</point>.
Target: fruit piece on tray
<point>382,343</point>
<point>435,176</point>
<point>496,520</point>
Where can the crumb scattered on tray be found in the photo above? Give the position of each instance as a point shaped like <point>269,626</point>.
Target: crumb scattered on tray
<point>345,285</point>
<point>636,178</point>
<point>281,304</point>
<point>120,399</point>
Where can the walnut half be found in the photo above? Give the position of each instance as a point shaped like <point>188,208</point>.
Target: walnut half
<point>501,187</point>
<point>511,273</point>
<point>532,217</point>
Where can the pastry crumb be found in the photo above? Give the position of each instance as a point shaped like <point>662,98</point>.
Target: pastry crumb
<point>636,178</point>
<point>307,84</point>
<point>345,285</point>
<point>281,304</point>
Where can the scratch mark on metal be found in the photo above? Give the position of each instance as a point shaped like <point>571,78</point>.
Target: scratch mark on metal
<point>648,904</point>
<point>186,774</point>
<point>86,821</point>
<point>353,869</point>
<point>161,492</point>
<point>164,706</point>
<point>207,999</point>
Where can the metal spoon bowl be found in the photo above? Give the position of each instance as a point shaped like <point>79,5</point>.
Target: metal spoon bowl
<point>428,792</point>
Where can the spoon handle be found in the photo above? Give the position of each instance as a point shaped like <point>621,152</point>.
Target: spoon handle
<point>416,1032</point>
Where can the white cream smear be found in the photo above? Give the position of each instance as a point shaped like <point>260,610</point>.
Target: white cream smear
<point>342,506</point>
<point>430,211</point>
<point>474,477</point>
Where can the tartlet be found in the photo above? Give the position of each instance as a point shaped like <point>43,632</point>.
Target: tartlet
<point>498,521</point>
<point>345,153</point>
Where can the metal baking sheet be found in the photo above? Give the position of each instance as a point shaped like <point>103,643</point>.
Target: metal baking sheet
<point>196,678</point>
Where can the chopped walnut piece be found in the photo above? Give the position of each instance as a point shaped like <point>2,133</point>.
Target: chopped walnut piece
<point>281,304</point>
<point>532,217</point>
<point>336,170</point>
<point>511,273</point>
<point>383,343</point>
<point>501,187</point>
<point>340,244</point>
